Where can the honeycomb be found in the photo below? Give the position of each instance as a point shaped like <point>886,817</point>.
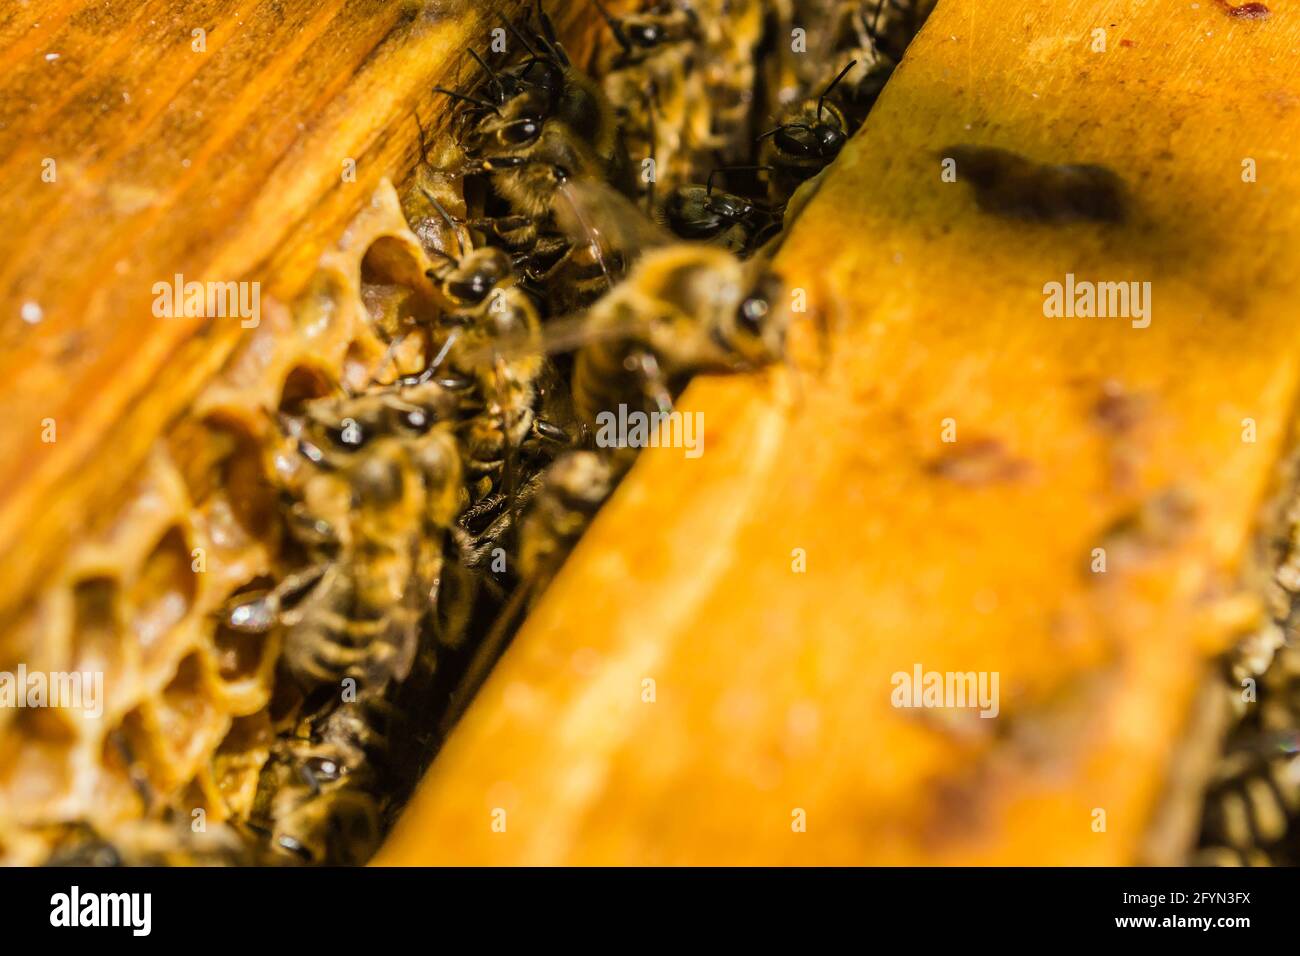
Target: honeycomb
<point>188,710</point>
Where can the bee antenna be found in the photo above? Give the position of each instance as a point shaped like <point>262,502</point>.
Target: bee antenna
<point>548,37</point>
<point>491,74</point>
<point>875,23</point>
<point>615,26</point>
<point>468,99</point>
<point>441,356</point>
<point>519,35</point>
<point>827,92</point>
<point>446,217</point>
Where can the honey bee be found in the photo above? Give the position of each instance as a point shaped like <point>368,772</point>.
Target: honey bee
<point>559,120</point>
<point>546,124</point>
<point>685,309</point>
<point>488,305</point>
<point>736,223</point>
<point>568,494</point>
<point>332,824</point>
<point>653,80</point>
<point>806,141</point>
<point>318,798</point>
<point>382,503</point>
<point>1250,806</point>
<point>734,35</point>
<point>571,490</point>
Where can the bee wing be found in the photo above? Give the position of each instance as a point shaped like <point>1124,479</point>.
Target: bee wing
<point>558,335</point>
<point>591,211</point>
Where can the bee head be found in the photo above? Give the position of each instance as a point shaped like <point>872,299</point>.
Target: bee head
<point>757,327</point>
<point>476,275</point>
<point>821,141</point>
<point>695,213</point>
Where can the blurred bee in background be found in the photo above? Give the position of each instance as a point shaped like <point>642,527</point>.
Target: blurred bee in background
<point>734,35</point>
<point>569,494</point>
<point>320,795</point>
<point>571,491</point>
<point>652,75</point>
<point>1253,799</point>
<point>684,310</point>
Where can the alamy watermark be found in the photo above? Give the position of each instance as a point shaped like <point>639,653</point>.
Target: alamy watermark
<point>69,690</point>
<point>211,300</point>
<point>133,911</point>
<point>1102,300</point>
<point>957,689</point>
<point>637,429</point>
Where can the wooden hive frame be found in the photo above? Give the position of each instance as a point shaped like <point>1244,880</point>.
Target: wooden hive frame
<point>218,144</point>
<point>719,691</point>
<point>761,708</point>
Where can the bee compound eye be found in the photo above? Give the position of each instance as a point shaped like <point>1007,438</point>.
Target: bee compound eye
<point>416,419</point>
<point>521,131</point>
<point>794,141</point>
<point>752,313</point>
<point>348,434</point>
<point>831,139</point>
<point>472,289</point>
<point>647,35</point>
<point>325,768</point>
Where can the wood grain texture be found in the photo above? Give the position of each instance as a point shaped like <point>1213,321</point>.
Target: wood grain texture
<point>772,688</point>
<point>223,164</point>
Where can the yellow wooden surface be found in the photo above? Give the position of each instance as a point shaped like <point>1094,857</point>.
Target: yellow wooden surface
<point>772,688</point>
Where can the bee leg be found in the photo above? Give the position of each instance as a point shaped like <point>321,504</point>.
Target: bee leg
<point>309,530</point>
<point>266,608</point>
<point>499,224</point>
<point>309,778</point>
<point>548,37</point>
<point>481,508</point>
<point>653,384</point>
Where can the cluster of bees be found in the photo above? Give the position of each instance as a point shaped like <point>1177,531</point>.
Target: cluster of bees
<point>586,255</point>
<point>1251,815</point>
<point>597,239</point>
